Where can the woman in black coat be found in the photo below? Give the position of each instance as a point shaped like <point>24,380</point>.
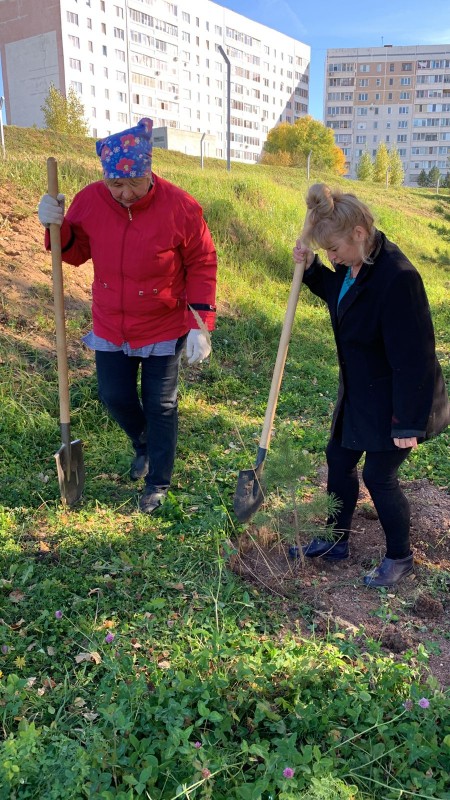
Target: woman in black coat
<point>392,394</point>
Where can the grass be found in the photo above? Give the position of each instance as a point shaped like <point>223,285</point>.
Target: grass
<point>164,676</point>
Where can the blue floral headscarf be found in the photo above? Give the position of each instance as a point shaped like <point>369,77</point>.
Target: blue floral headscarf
<point>127,154</point>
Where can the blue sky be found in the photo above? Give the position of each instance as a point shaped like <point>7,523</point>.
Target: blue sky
<point>324,24</point>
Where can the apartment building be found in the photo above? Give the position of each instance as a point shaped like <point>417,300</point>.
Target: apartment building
<point>396,95</point>
<point>132,58</point>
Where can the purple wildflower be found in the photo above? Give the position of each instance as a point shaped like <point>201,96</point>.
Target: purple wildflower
<point>423,702</point>
<point>206,773</point>
<point>408,704</point>
<point>288,773</point>
<point>109,637</point>
<point>5,649</point>
<point>58,614</point>
<point>197,744</point>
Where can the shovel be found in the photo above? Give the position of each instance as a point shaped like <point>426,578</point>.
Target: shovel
<point>69,458</point>
<point>249,495</point>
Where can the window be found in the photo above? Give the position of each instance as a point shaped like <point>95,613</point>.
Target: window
<point>402,137</point>
<point>75,41</point>
<point>93,91</point>
<point>403,123</point>
<point>186,17</point>
<point>391,67</point>
<point>405,95</point>
<point>89,23</point>
<point>102,5</point>
<point>119,11</point>
<point>122,116</point>
<point>103,27</point>
<point>364,67</point>
<point>107,115</point>
<point>120,54</point>
<point>71,17</point>
<point>361,112</point>
<point>363,96</point>
<point>361,139</point>
<point>405,81</point>
<point>107,94</point>
<point>185,36</point>
<point>104,50</point>
<point>90,47</point>
<point>122,97</point>
<point>403,110</point>
<point>407,67</point>
<point>119,33</point>
<point>75,63</point>
<point>91,69</point>
<point>121,76</point>
<point>77,86</point>
<point>105,72</point>
<point>364,81</point>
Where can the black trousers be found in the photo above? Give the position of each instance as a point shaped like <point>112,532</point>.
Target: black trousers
<point>380,477</point>
<point>151,422</point>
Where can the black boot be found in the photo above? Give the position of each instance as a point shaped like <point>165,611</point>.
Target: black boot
<point>323,548</point>
<point>390,571</point>
<point>139,467</point>
<point>151,499</point>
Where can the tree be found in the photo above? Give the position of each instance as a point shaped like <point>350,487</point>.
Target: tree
<point>306,135</point>
<point>434,176</point>
<point>64,114</point>
<point>396,171</point>
<point>381,164</point>
<point>422,178</point>
<point>364,169</point>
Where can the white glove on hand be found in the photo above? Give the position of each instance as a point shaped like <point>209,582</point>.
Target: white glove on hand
<point>198,346</point>
<point>51,211</point>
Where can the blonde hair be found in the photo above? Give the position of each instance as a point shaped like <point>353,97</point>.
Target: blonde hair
<point>334,214</point>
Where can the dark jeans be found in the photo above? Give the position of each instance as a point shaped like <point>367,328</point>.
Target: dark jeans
<point>380,477</point>
<point>152,421</point>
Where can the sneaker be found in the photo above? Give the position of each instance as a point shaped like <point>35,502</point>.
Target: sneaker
<point>139,467</point>
<point>151,499</point>
<point>390,571</point>
<point>322,548</point>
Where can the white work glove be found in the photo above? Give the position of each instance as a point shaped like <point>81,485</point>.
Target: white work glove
<point>51,210</point>
<point>198,346</point>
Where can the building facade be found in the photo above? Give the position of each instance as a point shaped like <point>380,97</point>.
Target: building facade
<point>396,95</point>
<point>133,58</point>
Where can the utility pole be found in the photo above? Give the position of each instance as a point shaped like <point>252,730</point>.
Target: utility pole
<point>227,62</point>
<point>2,137</point>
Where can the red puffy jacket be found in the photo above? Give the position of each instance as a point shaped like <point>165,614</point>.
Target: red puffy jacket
<point>150,262</point>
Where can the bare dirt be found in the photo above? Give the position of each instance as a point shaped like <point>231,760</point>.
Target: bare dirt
<point>416,612</point>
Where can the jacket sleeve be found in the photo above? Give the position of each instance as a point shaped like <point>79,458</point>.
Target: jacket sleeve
<point>315,278</point>
<point>75,247</point>
<point>410,348</point>
<point>200,264</point>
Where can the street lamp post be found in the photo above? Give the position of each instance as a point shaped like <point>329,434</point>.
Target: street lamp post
<point>227,62</point>
<point>2,137</point>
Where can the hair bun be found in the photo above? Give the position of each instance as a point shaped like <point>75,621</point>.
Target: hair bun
<point>320,200</point>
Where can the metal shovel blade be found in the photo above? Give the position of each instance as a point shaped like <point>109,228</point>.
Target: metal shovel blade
<point>70,467</point>
<point>249,495</point>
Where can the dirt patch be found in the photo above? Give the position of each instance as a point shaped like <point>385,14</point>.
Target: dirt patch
<point>323,597</point>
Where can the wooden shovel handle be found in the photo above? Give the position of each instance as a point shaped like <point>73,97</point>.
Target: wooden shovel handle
<point>281,355</point>
<point>58,297</point>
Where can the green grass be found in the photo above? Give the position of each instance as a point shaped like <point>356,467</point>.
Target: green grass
<point>201,693</point>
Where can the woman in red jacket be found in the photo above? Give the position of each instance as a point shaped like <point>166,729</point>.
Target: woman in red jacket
<point>154,278</point>
<point>392,394</point>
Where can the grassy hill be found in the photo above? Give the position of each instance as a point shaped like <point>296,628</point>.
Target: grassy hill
<point>164,674</point>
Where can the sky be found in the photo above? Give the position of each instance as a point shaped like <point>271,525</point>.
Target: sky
<point>324,24</point>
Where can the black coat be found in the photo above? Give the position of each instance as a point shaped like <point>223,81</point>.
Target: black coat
<point>390,382</point>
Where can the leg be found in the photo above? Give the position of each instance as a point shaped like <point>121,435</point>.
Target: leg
<point>117,388</point>
<point>160,403</point>
<point>343,483</point>
<point>380,476</point>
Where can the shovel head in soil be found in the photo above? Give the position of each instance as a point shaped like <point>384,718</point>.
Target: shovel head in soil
<point>249,495</point>
<point>70,468</point>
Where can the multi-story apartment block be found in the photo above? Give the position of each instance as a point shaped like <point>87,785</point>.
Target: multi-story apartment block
<point>133,58</point>
<point>396,95</point>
